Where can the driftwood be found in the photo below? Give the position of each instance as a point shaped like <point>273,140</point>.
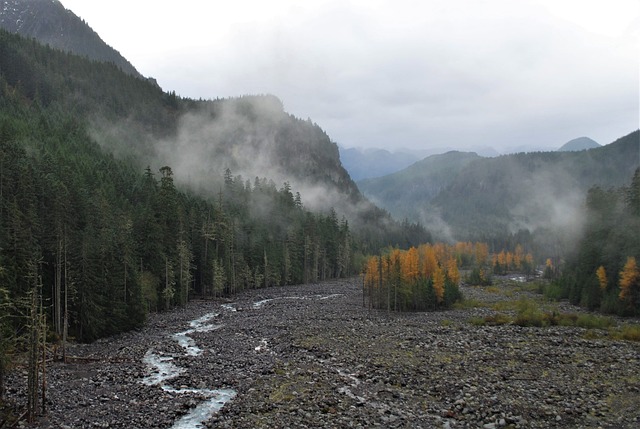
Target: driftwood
<point>3,424</point>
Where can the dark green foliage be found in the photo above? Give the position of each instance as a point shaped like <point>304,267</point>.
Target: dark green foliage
<point>407,193</point>
<point>610,237</point>
<point>51,24</point>
<point>479,277</point>
<point>489,199</point>
<point>116,241</point>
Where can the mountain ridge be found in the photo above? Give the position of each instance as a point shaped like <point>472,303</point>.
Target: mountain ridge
<point>49,22</point>
<point>503,195</point>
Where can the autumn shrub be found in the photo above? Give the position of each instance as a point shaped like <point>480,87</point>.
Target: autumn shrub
<point>627,332</point>
<point>592,321</point>
<point>497,319</point>
<point>529,314</point>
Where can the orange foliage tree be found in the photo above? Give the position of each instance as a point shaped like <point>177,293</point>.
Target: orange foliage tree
<point>630,282</point>
<point>601,273</point>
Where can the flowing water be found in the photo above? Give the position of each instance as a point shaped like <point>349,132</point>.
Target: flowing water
<point>162,367</point>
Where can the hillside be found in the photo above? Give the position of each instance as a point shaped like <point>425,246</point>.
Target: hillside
<point>409,191</point>
<point>496,197</point>
<point>581,143</point>
<point>51,24</point>
<point>123,199</point>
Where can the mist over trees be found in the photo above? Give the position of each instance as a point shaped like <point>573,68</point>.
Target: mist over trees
<point>602,273</point>
<point>538,197</point>
<point>100,231</point>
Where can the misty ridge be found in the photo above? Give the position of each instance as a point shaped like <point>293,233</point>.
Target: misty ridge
<point>462,196</point>
<point>250,137</point>
<point>455,196</point>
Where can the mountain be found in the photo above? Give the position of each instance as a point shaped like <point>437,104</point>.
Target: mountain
<point>409,191</point>
<point>581,143</point>
<point>367,163</point>
<point>371,163</point>
<point>51,24</point>
<point>117,198</point>
<point>496,197</point>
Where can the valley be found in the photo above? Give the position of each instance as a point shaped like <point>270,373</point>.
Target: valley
<point>313,356</point>
<point>201,256</point>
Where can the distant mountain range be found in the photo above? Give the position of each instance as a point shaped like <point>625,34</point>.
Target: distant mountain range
<point>464,196</point>
<point>371,163</point>
<point>51,24</point>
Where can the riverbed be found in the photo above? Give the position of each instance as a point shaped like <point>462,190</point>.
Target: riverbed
<point>313,356</point>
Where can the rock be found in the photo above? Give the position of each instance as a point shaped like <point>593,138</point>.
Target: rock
<point>395,370</point>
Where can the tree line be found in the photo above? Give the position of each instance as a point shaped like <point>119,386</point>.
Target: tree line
<point>427,277</point>
<point>95,244</point>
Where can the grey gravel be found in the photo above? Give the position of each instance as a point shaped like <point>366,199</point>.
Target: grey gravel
<point>315,358</point>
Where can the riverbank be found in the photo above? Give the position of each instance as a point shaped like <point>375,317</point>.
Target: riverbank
<point>312,356</point>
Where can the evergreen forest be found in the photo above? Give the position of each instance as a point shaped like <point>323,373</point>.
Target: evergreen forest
<point>95,233</point>
<point>602,272</point>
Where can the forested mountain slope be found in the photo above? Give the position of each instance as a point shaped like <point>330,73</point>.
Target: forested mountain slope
<point>251,136</point>
<point>482,198</point>
<point>51,24</point>
<point>533,190</point>
<point>84,221</point>
<point>408,192</point>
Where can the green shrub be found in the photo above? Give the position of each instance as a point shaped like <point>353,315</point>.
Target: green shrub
<point>590,321</point>
<point>552,291</point>
<point>496,319</point>
<point>529,314</point>
<point>627,332</point>
<point>631,332</point>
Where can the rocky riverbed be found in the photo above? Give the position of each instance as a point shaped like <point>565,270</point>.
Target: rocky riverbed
<point>313,356</point>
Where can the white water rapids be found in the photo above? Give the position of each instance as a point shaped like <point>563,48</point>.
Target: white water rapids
<point>162,368</point>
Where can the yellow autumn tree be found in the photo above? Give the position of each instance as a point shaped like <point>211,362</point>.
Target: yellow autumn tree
<point>601,273</point>
<point>410,268</point>
<point>429,262</point>
<point>528,258</point>
<point>481,253</point>
<point>452,271</point>
<point>518,257</point>
<point>372,272</point>
<point>438,284</point>
<point>508,260</point>
<point>502,259</point>
<point>629,281</point>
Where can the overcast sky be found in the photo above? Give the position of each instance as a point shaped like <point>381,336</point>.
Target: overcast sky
<point>398,73</point>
